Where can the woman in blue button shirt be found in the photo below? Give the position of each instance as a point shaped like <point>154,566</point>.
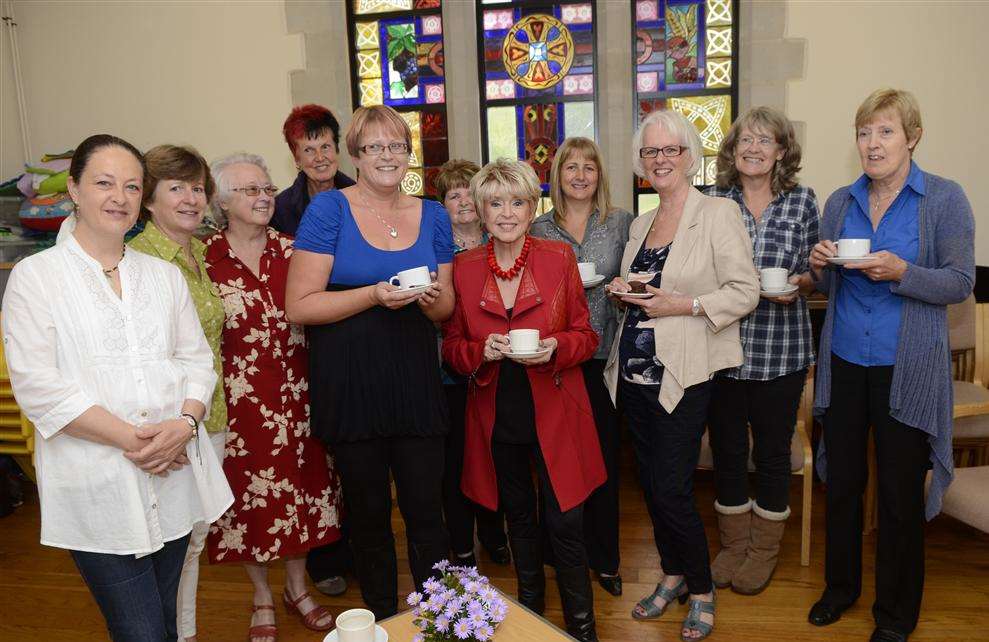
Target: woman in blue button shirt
<point>885,360</point>
<point>375,389</point>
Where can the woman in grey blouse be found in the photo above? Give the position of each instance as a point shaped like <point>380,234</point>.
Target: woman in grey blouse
<point>583,217</point>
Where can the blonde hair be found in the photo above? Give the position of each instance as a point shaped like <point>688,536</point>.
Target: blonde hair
<point>774,124</point>
<point>677,124</point>
<point>507,178</point>
<point>382,115</point>
<point>453,174</point>
<point>901,102</point>
<point>602,194</point>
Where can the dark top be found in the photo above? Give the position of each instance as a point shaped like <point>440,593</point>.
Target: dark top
<point>292,202</point>
<point>329,228</point>
<point>637,350</point>
<point>515,411</point>
<point>375,374</point>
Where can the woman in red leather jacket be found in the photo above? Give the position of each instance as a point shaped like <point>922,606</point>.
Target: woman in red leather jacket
<point>524,410</point>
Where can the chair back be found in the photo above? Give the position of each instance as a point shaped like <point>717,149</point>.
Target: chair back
<point>961,339</point>
<point>980,373</point>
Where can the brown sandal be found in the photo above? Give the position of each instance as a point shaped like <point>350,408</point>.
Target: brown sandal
<point>262,630</point>
<point>310,619</point>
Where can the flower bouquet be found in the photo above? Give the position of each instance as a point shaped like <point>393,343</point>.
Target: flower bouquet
<point>460,605</point>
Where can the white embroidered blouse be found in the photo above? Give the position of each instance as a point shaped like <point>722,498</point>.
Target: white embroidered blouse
<point>70,344</point>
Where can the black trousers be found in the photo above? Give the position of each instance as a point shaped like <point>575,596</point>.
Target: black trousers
<point>770,407</point>
<point>459,511</point>
<point>601,507</point>
<point>860,398</point>
<point>416,465</point>
<point>331,560</point>
<point>517,497</point>
<point>667,446</point>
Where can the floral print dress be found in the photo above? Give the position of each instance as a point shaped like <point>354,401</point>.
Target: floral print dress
<point>286,496</point>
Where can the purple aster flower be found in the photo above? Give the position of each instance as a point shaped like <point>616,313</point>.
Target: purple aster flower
<point>432,586</point>
<point>441,565</point>
<point>442,623</point>
<point>474,606</point>
<point>483,632</point>
<point>419,637</point>
<point>462,629</point>
<point>414,598</point>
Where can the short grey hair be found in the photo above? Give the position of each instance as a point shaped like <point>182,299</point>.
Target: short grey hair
<point>677,124</point>
<point>218,169</point>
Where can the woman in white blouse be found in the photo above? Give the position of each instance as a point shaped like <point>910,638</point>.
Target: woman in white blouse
<point>108,360</point>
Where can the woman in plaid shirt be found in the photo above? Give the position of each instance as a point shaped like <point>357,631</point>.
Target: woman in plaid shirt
<point>757,168</point>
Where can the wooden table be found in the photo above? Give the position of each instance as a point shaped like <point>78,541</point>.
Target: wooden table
<point>521,625</point>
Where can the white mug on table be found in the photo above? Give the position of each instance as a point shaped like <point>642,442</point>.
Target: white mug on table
<point>355,625</point>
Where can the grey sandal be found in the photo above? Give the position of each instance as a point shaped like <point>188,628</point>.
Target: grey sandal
<point>648,604</point>
<point>693,620</point>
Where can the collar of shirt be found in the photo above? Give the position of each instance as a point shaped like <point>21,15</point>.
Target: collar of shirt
<point>860,188</point>
<point>218,247</point>
<point>153,241</point>
<point>549,219</point>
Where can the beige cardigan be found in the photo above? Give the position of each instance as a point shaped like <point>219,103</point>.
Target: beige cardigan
<point>711,259</point>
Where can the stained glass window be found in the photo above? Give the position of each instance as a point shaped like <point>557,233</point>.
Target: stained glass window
<point>686,59</point>
<point>397,60</point>
<point>537,74</point>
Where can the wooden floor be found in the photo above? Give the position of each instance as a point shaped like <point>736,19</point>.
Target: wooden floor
<point>43,598</point>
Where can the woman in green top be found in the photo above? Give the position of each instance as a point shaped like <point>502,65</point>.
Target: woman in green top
<point>177,190</point>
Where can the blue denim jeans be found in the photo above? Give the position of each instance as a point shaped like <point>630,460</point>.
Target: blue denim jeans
<point>136,596</point>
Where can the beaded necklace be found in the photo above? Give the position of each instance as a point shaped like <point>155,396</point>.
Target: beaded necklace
<point>511,273</point>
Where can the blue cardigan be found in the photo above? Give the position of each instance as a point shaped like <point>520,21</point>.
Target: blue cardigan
<point>920,393</point>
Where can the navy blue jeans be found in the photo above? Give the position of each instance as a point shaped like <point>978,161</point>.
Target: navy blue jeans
<point>667,447</point>
<point>136,596</point>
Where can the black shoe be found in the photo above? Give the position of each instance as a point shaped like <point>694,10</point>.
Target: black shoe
<point>528,555</point>
<point>468,560</point>
<point>824,613</point>
<point>500,555</point>
<point>611,583</point>
<point>577,600</point>
<point>887,635</point>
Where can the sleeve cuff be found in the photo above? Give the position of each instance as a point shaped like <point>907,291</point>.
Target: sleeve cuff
<point>63,414</point>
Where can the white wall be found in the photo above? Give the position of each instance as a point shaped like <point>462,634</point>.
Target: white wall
<point>937,50</point>
<point>211,74</point>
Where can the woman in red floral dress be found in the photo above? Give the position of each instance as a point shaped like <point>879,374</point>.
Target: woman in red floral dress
<point>286,498</point>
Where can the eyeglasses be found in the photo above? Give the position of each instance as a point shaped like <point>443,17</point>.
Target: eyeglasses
<point>669,151</point>
<point>254,190</point>
<point>376,149</point>
<point>764,141</point>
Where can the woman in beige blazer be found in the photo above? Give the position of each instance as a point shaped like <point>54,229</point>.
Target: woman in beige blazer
<point>694,258</point>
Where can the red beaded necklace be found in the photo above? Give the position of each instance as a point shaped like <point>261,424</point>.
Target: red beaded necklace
<point>511,273</point>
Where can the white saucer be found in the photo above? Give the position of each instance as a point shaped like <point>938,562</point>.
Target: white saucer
<point>634,295</point>
<point>845,260</point>
<point>790,289</point>
<point>380,635</point>
<point>415,288</point>
<point>590,283</point>
<point>526,355</point>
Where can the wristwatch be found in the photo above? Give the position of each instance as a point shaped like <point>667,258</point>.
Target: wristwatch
<point>193,424</point>
<point>695,309</point>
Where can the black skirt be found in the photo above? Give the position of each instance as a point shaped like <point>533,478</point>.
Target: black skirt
<point>375,374</point>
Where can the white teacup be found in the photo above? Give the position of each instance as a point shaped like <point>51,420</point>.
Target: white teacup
<point>355,625</point>
<point>587,271</point>
<point>853,248</point>
<point>411,278</point>
<point>773,279</point>
<point>524,340</point>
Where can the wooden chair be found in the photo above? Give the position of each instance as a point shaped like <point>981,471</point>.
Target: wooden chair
<point>969,338</point>
<point>801,460</point>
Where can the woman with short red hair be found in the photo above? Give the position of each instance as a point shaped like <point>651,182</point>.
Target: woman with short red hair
<point>313,135</point>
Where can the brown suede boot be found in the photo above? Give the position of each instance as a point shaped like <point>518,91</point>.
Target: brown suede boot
<point>733,526</point>
<point>763,552</point>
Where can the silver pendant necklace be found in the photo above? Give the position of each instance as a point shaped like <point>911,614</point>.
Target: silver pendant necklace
<point>392,232</point>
